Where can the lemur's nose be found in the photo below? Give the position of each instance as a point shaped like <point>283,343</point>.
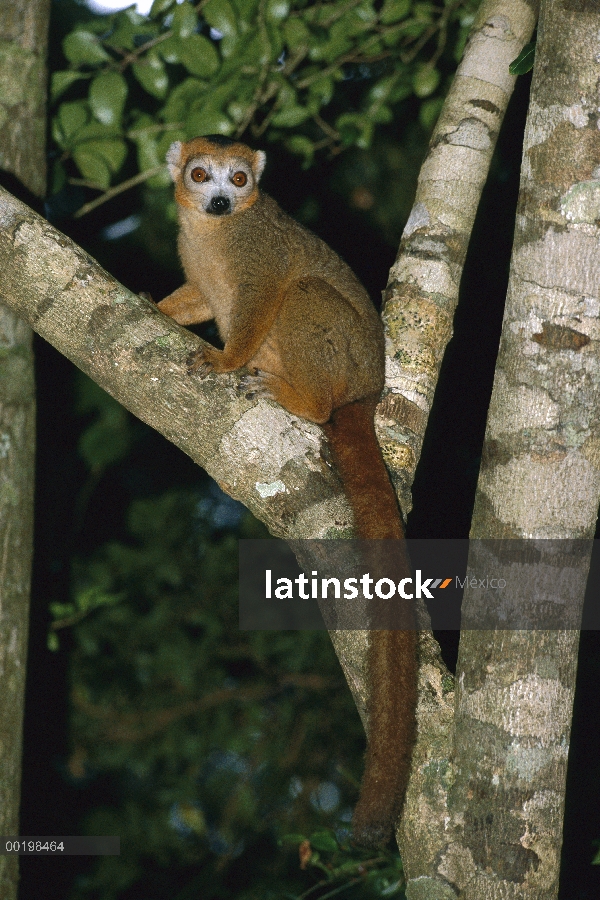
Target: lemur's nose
<point>219,205</point>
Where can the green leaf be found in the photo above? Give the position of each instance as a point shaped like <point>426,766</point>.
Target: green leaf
<point>169,49</point>
<point>424,12</point>
<point>159,7</point>
<point>425,80</point>
<point>107,96</point>
<point>296,34</point>
<point>185,20</point>
<point>208,121</point>
<point>429,112</point>
<point>401,90</point>
<point>147,154</point>
<point>92,167</point>
<point>381,115</point>
<point>183,98</point>
<point>277,10</point>
<point>382,89</point>
<point>291,839</point>
<point>72,117</point>
<point>221,15</point>
<point>112,152</point>
<point>130,31</point>
<point>151,151</point>
<point>301,146</point>
<point>57,135</point>
<point>238,111</point>
<point>62,610</point>
<point>355,129</point>
<point>52,642</point>
<point>256,51</point>
<point>198,55</point>
<point>97,25</point>
<point>61,81</point>
<point>359,20</point>
<point>90,598</point>
<point>394,10</point>
<point>524,61</point>
<point>322,89</point>
<point>96,131</point>
<point>151,74</point>
<point>237,85</point>
<point>82,48</point>
<point>290,116</point>
<point>339,42</point>
<point>246,10</point>
<point>324,841</point>
<point>266,46</point>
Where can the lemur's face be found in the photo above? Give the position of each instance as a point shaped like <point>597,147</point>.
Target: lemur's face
<point>215,181</point>
<point>219,187</point>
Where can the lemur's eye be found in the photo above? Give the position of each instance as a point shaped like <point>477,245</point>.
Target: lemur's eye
<point>239,179</point>
<point>198,174</point>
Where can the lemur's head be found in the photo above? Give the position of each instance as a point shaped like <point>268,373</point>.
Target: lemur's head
<point>215,175</point>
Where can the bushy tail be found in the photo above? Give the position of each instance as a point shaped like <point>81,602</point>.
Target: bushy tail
<point>392,728</point>
<point>392,660</point>
<point>357,455</point>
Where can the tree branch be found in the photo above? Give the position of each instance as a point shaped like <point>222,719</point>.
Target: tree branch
<point>422,292</point>
<point>256,451</point>
<point>23,43</point>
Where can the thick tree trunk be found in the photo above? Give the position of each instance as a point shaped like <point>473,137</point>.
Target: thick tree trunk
<point>23,42</point>
<point>420,302</point>
<point>540,479</point>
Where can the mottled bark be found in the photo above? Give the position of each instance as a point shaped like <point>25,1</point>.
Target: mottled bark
<point>540,478</point>
<point>23,43</point>
<point>422,291</point>
<point>17,444</point>
<point>420,302</point>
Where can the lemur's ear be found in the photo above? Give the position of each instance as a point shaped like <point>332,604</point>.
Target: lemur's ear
<point>258,164</point>
<point>174,160</point>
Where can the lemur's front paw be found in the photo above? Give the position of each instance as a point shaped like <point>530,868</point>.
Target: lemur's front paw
<point>199,362</point>
<point>257,384</point>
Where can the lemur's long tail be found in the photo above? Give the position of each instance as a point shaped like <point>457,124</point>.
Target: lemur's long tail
<point>392,661</point>
<point>357,455</point>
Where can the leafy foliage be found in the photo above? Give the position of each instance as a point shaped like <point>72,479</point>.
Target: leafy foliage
<point>207,743</point>
<point>308,74</point>
<point>341,865</point>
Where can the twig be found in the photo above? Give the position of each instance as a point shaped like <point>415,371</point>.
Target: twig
<point>118,189</point>
<point>154,129</point>
<point>326,127</point>
<point>134,55</point>
<point>427,34</point>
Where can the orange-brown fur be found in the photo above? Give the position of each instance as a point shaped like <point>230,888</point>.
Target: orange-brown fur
<point>288,308</point>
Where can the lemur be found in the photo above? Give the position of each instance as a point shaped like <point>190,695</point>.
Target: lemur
<point>294,314</point>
